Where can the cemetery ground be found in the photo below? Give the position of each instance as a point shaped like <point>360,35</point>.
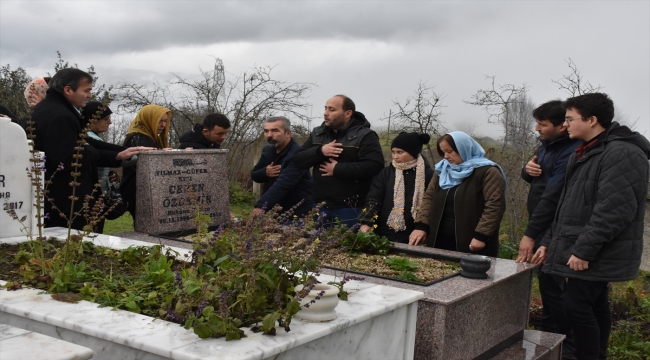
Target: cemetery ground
<point>630,337</point>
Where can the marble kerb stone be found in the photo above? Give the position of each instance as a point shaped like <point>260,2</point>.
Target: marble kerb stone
<point>171,185</point>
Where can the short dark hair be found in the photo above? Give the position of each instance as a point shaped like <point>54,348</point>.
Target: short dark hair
<point>68,77</point>
<point>450,140</point>
<point>348,104</point>
<point>216,119</point>
<point>594,104</point>
<point>551,111</point>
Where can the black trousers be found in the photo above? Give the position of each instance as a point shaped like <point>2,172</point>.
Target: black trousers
<point>586,306</point>
<point>553,317</point>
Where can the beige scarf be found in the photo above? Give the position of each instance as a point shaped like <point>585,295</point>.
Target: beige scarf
<point>396,217</point>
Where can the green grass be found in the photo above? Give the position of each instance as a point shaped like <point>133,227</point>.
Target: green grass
<point>630,301</point>
<point>125,222</point>
<point>122,224</point>
<point>241,211</point>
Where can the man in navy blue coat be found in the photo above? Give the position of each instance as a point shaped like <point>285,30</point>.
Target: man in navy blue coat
<point>284,183</point>
<point>546,173</point>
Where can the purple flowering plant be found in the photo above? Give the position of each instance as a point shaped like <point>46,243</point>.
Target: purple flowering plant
<point>244,275</point>
<point>51,272</point>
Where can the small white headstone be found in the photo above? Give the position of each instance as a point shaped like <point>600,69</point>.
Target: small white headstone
<point>15,186</point>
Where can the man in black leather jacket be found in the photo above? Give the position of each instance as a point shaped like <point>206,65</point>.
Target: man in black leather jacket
<point>348,155</point>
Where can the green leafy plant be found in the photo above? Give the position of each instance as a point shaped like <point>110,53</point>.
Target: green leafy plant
<point>367,242</point>
<point>401,264</point>
<point>406,266</point>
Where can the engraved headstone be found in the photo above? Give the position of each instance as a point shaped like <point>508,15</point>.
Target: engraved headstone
<point>171,185</point>
<point>15,186</point>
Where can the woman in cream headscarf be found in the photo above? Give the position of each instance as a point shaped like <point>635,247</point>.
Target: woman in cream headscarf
<point>35,91</point>
<point>149,128</point>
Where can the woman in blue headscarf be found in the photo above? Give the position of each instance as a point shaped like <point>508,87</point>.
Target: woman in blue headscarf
<point>465,201</point>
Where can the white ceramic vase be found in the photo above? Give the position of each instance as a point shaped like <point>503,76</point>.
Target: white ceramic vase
<point>323,309</point>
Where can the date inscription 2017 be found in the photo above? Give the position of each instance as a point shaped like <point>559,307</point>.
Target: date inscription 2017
<point>13,205</point>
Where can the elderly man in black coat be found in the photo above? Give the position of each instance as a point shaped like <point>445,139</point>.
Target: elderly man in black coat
<point>284,183</point>
<point>59,129</point>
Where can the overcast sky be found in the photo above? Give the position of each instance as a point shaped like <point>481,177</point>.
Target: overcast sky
<point>373,51</point>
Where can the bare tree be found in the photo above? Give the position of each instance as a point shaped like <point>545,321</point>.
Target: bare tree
<point>509,106</point>
<point>574,84</point>
<point>420,113</point>
<point>496,101</point>
<point>117,131</point>
<point>247,100</point>
<point>519,124</point>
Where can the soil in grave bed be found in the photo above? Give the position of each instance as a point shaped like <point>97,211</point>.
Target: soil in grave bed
<point>404,267</point>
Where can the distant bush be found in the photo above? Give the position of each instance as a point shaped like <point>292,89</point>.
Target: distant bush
<point>239,195</point>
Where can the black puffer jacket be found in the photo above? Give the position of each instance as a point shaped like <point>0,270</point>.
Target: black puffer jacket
<point>361,159</point>
<point>380,202</point>
<point>601,209</point>
<point>195,139</point>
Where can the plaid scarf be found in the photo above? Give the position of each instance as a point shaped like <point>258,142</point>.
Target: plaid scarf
<point>582,149</point>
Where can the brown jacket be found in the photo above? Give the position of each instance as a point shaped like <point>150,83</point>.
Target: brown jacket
<point>479,207</point>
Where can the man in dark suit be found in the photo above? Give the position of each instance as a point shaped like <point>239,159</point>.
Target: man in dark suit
<point>69,153</point>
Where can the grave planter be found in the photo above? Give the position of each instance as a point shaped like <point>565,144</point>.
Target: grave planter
<point>321,300</point>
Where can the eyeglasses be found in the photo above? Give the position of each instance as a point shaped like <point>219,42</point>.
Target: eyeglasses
<point>569,119</point>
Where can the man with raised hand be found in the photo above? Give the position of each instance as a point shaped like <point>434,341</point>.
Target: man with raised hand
<point>545,173</point>
<point>597,231</point>
<point>284,183</point>
<point>345,154</point>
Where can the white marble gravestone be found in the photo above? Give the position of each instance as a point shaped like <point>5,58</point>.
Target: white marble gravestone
<point>15,186</point>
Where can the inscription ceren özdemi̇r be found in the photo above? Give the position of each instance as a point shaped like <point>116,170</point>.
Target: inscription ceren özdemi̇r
<point>182,201</point>
<point>186,188</point>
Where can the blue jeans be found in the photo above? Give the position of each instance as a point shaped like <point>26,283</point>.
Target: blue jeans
<point>348,216</point>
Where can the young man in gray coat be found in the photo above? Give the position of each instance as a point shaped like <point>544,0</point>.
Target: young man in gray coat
<point>597,232</point>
